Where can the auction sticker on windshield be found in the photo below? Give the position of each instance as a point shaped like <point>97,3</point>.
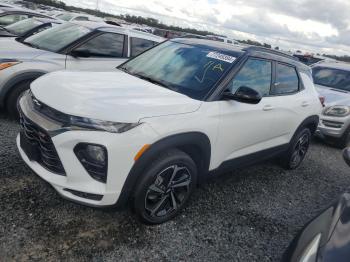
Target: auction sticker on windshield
<point>221,57</point>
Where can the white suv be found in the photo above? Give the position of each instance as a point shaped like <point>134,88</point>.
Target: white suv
<point>148,133</point>
<point>86,46</point>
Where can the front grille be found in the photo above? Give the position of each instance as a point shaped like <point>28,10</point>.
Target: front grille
<point>332,124</point>
<point>47,156</point>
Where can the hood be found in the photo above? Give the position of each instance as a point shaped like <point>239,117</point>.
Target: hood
<point>12,49</point>
<point>334,96</point>
<point>111,96</point>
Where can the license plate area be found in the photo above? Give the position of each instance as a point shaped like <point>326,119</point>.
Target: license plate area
<point>30,148</point>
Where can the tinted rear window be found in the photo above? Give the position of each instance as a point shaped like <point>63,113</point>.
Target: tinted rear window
<point>330,77</point>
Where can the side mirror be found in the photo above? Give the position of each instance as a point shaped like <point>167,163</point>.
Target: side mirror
<point>346,155</point>
<point>243,94</point>
<point>80,53</point>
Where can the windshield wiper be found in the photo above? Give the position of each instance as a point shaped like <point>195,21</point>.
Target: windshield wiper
<point>124,69</point>
<point>150,79</point>
<point>30,44</point>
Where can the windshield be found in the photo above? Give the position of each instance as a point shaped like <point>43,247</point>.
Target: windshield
<point>187,69</point>
<point>58,37</point>
<point>65,17</point>
<point>23,26</point>
<point>330,77</point>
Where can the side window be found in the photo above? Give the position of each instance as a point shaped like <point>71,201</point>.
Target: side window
<point>287,80</point>
<point>229,41</point>
<point>256,74</point>
<point>105,45</point>
<point>10,19</point>
<point>138,45</point>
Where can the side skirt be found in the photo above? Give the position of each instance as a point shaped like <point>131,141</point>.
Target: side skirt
<point>249,160</point>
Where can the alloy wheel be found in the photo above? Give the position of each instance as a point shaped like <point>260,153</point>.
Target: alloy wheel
<point>300,150</point>
<point>168,192</point>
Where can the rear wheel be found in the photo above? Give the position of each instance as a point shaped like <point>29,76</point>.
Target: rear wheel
<point>12,98</point>
<point>165,187</point>
<point>297,149</point>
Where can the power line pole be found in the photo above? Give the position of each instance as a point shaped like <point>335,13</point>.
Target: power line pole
<point>97,5</point>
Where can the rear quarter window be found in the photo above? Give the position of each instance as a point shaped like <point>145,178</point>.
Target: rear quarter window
<point>287,80</point>
<point>138,45</point>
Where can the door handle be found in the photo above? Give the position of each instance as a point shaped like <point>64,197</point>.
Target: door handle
<point>268,108</point>
<point>305,104</point>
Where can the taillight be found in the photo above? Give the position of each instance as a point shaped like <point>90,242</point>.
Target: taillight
<point>322,100</point>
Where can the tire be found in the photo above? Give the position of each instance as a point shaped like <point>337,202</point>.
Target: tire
<point>158,198</point>
<point>12,98</point>
<point>297,150</point>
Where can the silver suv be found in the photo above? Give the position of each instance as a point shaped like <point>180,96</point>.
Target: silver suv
<point>332,81</point>
<point>86,46</point>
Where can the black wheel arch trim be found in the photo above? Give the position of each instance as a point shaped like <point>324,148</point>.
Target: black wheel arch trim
<point>191,143</point>
<point>6,89</point>
<point>310,122</point>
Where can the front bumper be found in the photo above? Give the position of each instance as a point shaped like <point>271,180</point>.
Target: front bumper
<point>121,151</point>
<point>334,127</point>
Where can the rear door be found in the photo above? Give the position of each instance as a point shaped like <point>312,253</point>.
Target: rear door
<point>103,52</point>
<point>292,101</point>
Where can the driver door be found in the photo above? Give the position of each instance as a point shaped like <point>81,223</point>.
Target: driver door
<point>250,128</point>
<point>104,52</point>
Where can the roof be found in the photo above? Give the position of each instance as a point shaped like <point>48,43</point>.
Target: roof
<point>117,29</point>
<point>9,10</point>
<point>74,15</point>
<point>237,50</point>
<point>334,65</point>
<point>210,44</point>
<point>47,20</point>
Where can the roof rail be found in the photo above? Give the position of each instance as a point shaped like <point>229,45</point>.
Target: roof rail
<point>271,51</point>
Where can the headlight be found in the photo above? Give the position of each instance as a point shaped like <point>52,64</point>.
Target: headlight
<point>6,63</point>
<point>113,127</point>
<point>339,111</point>
<point>77,122</point>
<point>310,252</point>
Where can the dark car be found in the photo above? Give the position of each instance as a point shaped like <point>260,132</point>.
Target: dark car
<point>11,15</point>
<point>327,237</point>
<point>28,27</point>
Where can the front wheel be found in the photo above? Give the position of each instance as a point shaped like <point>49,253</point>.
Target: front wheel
<point>297,149</point>
<point>12,98</point>
<point>165,187</point>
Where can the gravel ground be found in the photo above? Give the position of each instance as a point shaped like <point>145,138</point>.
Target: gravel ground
<point>248,215</point>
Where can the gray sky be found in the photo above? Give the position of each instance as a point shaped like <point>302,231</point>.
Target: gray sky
<point>312,25</point>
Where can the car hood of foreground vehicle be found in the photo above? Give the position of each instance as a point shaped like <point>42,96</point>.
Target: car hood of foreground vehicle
<point>334,96</point>
<point>111,96</point>
<point>10,48</point>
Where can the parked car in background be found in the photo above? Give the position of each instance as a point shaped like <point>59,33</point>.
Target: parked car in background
<point>148,132</point>
<point>73,46</point>
<point>12,15</point>
<point>327,237</point>
<point>332,81</point>
<point>222,39</point>
<point>28,27</point>
<point>310,59</point>
<point>72,17</point>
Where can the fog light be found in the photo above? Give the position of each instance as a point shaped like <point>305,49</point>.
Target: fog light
<point>96,153</point>
<point>94,159</point>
